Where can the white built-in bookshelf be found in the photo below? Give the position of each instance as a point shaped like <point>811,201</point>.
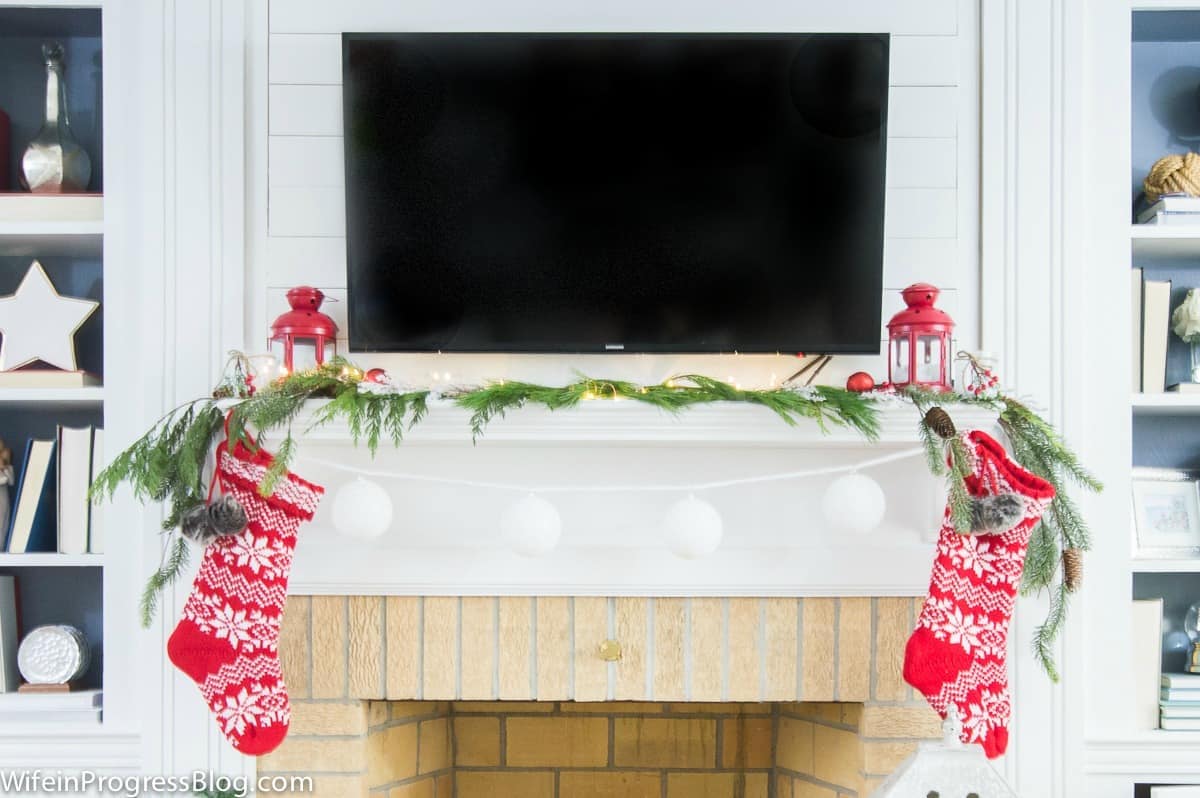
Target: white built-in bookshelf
<point>65,234</point>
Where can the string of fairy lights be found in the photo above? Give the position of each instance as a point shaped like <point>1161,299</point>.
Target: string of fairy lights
<point>691,527</point>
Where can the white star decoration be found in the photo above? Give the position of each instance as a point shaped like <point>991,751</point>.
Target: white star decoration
<point>39,324</point>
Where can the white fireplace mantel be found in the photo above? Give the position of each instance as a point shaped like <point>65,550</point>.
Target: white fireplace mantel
<point>444,538</point>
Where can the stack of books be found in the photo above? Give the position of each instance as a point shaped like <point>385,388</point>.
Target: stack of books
<point>50,507</point>
<point>1173,209</point>
<point>1179,702</point>
<point>1151,333</point>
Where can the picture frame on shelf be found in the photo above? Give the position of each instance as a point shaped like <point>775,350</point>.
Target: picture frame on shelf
<point>1166,512</point>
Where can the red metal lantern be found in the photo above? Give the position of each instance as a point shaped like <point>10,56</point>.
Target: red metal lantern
<point>919,341</point>
<point>309,337</point>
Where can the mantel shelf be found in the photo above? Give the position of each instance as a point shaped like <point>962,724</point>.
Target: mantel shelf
<point>628,422</point>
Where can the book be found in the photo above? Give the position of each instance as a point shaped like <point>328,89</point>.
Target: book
<point>1146,648</point>
<point>96,515</point>
<point>1180,724</point>
<point>1173,218</point>
<point>1182,681</point>
<point>1156,326</point>
<point>1170,204</point>
<point>33,526</point>
<point>47,378</point>
<point>74,478</point>
<point>1136,357</point>
<point>10,635</point>
<point>62,717</point>
<point>1177,791</point>
<point>22,207</point>
<point>1180,709</point>
<point>1177,694</point>
<point>1184,387</point>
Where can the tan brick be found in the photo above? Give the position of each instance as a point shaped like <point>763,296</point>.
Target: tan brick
<point>852,714</point>
<point>670,627</point>
<point>631,632</point>
<point>816,651</point>
<point>665,742</point>
<point>309,755</point>
<point>516,646</point>
<point>905,721</point>
<point>880,759</point>
<point>295,636</point>
<point>444,786</point>
<point>478,648</point>
<point>392,754</point>
<point>402,710</point>
<point>503,707</point>
<point>591,629</point>
<point>476,741</point>
<point>755,785</point>
<point>366,646</point>
<point>783,786</point>
<point>325,718</point>
<point>819,711</point>
<point>609,784</point>
<point>840,758</point>
<point>854,649</point>
<point>747,743</point>
<point>794,745</point>
<point>435,746</point>
<point>377,713</point>
<point>556,742</point>
<point>806,789</point>
<point>439,658</point>
<point>702,785</point>
<point>329,646</point>
<point>504,784</point>
<point>349,786</point>
<point>613,708</point>
<point>417,789</point>
<point>403,646</point>
<point>781,646</point>
<point>892,629</point>
<point>708,638</point>
<point>553,648</point>
<point>872,783</point>
<point>744,681</point>
<point>734,708</point>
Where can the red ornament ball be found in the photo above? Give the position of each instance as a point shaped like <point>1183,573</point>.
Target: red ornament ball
<point>860,381</point>
<point>376,375</point>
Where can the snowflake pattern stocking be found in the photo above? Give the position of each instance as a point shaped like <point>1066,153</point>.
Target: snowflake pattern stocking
<point>957,653</point>
<point>228,637</point>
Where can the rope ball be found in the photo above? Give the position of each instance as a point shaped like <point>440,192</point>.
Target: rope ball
<point>1173,174</point>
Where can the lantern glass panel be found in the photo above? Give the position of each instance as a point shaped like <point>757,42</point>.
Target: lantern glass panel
<point>899,368</point>
<point>929,358</point>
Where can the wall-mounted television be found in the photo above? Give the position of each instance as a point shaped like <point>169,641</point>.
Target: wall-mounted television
<point>596,192</point>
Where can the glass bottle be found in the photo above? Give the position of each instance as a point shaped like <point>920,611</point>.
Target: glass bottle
<point>54,163</point>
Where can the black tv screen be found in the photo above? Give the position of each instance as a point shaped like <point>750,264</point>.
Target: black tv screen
<point>644,192</point>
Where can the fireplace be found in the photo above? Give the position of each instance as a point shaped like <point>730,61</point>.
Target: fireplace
<point>586,697</point>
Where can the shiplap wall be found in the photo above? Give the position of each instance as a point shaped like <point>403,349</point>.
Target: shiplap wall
<point>932,173</point>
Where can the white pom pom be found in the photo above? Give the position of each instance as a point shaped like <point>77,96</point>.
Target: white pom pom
<point>531,526</point>
<point>362,509</point>
<point>692,528</point>
<point>854,503</point>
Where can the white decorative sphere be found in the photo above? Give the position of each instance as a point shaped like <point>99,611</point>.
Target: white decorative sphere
<point>362,509</point>
<point>54,654</point>
<point>692,528</point>
<point>531,526</point>
<point>854,503</point>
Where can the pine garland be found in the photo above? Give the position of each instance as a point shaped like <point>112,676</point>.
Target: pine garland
<point>167,464</point>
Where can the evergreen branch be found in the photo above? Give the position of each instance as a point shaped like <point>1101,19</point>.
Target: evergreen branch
<point>1049,630</point>
<point>168,571</point>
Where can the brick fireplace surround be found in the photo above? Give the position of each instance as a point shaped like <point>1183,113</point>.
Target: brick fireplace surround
<point>445,697</point>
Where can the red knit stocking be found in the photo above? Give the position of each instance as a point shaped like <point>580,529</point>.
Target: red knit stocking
<point>228,636</point>
<point>957,653</point>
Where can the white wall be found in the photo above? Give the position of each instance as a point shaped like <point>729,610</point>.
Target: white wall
<point>932,199</point>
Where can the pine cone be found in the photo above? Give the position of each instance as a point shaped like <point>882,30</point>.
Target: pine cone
<point>1072,565</point>
<point>940,422</point>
